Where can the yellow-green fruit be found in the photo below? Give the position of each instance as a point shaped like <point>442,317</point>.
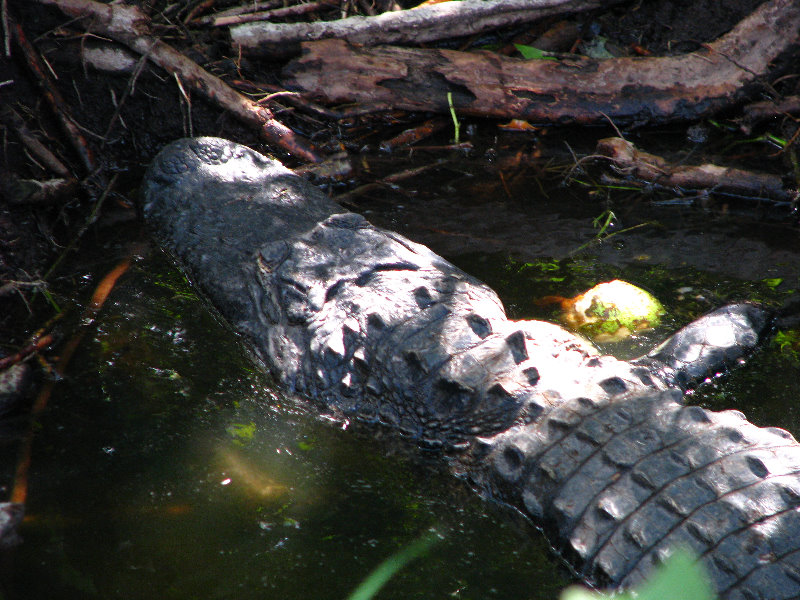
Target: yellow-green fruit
<point>612,311</point>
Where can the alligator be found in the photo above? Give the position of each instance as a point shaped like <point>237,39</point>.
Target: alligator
<point>601,453</point>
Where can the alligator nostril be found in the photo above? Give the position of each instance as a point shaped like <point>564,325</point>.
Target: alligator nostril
<point>513,457</point>
<point>644,376</point>
<point>696,414</point>
<point>423,297</point>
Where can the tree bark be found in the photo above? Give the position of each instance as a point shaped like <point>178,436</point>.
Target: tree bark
<point>580,90</point>
<point>424,24</point>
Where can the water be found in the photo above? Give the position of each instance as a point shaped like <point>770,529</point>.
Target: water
<point>168,466</point>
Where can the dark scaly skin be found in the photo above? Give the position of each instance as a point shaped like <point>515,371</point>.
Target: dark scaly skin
<point>598,451</point>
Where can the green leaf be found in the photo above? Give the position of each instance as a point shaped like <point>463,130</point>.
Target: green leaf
<point>680,578</point>
<point>386,570</point>
<point>581,593</point>
<point>773,282</point>
<point>531,53</point>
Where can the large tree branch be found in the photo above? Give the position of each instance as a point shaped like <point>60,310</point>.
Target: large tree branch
<point>424,24</point>
<point>581,90</point>
<point>129,26</point>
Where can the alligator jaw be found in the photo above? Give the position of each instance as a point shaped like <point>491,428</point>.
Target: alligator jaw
<point>598,451</point>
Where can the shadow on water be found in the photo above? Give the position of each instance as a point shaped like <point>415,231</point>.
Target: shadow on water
<point>168,466</point>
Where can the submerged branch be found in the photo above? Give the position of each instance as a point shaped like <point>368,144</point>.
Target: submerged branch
<point>643,166</point>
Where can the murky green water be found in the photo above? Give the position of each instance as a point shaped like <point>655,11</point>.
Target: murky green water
<point>166,465</point>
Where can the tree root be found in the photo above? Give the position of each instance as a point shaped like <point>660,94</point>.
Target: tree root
<point>579,90</point>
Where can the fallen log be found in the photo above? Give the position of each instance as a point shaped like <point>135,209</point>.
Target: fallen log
<point>635,163</point>
<point>579,90</point>
<point>424,24</point>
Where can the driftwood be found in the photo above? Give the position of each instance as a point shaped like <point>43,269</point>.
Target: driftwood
<point>131,27</point>
<point>644,167</point>
<point>424,24</point>
<point>582,90</point>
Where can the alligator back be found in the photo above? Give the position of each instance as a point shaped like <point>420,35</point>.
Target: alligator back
<point>597,450</point>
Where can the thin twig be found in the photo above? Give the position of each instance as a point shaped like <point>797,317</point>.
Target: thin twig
<point>239,10</point>
<point>36,344</point>
<point>187,100</point>
<point>269,15</point>
<point>19,491</point>
<point>53,97</point>
<point>346,198</point>
<point>6,31</point>
<point>30,141</point>
<point>89,221</point>
<point>129,89</point>
<point>131,27</point>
